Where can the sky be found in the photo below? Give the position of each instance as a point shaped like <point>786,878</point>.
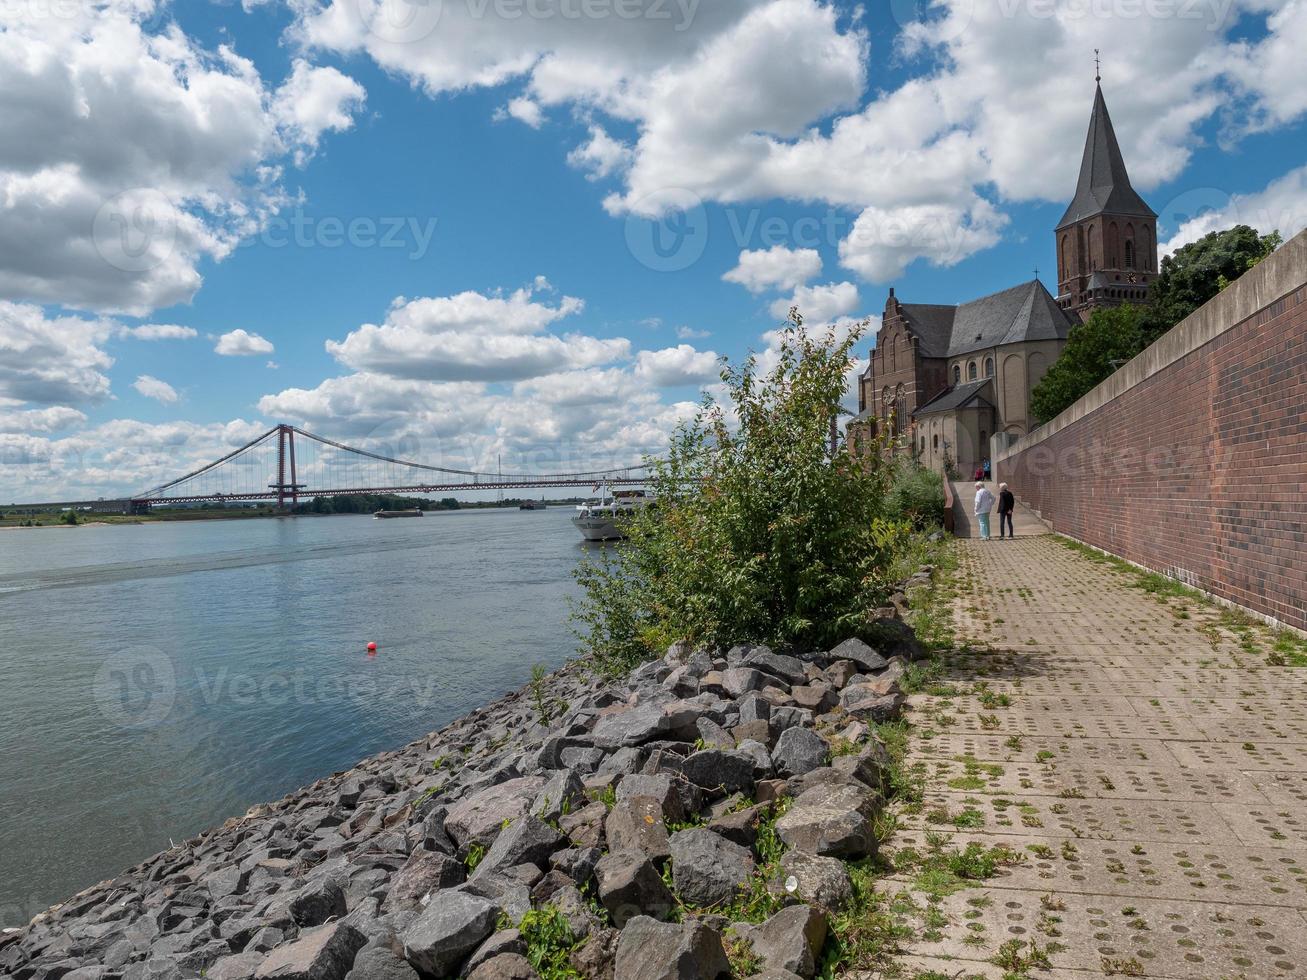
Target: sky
<point>530,229</point>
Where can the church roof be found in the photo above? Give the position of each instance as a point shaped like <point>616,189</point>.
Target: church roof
<point>959,396</point>
<point>1023,313</point>
<point>1104,185</point>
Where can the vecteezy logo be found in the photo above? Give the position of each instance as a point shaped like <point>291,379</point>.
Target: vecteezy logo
<point>400,21</point>
<point>675,238</point>
<point>135,687</point>
<point>1193,206</point>
<point>135,231</point>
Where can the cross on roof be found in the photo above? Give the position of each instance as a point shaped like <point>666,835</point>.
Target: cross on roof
<point>1098,67</point>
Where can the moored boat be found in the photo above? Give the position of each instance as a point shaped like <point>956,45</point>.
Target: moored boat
<point>386,515</point>
<point>601,519</point>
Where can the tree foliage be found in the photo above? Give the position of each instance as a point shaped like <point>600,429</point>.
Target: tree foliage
<point>1190,277</point>
<point>760,533</point>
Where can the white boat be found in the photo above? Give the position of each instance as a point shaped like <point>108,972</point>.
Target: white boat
<point>600,519</point>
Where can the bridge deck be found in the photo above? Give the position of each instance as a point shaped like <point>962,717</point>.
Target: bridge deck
<point>1151,765</point>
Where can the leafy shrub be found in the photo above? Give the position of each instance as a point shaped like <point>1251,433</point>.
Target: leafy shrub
<point>760,533</point>
<point>916,494</point>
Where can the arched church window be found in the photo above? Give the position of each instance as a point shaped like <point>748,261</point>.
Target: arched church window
<point>1066,265</point>
<point>989,367</point>
<point>1129,254</point>
<point>972,370</point>
<point>935,441</point>
<point>957,374</point>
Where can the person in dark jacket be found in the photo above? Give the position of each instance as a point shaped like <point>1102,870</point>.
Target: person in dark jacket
<point>1006,505</point>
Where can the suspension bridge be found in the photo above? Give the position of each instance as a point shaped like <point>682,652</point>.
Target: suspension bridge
<point>287,464</point>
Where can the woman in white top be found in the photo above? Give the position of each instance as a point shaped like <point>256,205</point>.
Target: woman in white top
<point>984,504</point>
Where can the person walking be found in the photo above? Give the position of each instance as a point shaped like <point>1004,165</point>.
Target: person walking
<point>984,504</point>
<point>987,468</point>
<point>1007,503</point>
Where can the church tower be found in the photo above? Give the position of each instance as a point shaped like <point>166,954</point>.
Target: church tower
<point>1107,240</point>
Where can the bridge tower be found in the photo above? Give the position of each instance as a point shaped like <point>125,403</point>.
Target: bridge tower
<point>286,455</point>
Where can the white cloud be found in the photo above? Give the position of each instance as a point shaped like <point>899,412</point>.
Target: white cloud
<point>820,304</point>
<point>602,156</point>
<point>52,360</point>
<point>315,100</point>
<point>680,365</point>
<point>689,333</point>
<point>1280,206</point>
<point>762,99</point>
<point>159,331</point>
<point>475,337</point>
<point>524,110</point>
<point>242,343</point>
<point>50,419</point>
<point>775,268</point>
<point>152,387</point>
<point>130,154</point>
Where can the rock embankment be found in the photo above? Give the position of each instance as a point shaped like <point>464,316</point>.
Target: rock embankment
<point>644,812</point>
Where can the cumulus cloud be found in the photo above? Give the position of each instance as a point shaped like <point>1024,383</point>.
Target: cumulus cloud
<point>40,420</point>
<point>159,331</point>
<point>524,110</point>
<point>129,154</point>
<point>242,343</point>
<point>680,365</point>
<point>475,337</point>
<point>926,165</point>
<point>315,100</point>
<point>52,360</point>
<point>820,304</point>
<point>152,387</point>
<point>1280,206</point>
<point>775,268</point>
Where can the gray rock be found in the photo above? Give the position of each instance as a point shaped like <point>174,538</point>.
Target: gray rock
<point>558,796</point>
<point>762,764</point>
<point>504,941</point>
<point>630,886</point>
<point>868,702</point>
<point>642,723</point>
<point>872,766</point>
<point>318,901</point>
<point>425,872</point>
<point>739,681</point>
<point>718,769</point>
<point>789,669</point>
<point>867,660</point>
<point>799,750</point>
<point>708,869</point>
<point>447,930</point>
<point>240,966</point>
<point>381,963</point>
<point>820,881</point>
<point>740,826</point>
<point>324,953</point>
<point>479,817</point>
<point>595,959</point>
<point>505,966</point>
<point>578,863</point>
<point>527,840</point>
<point>832,821</point>
<point>754,707</point>
<point>660,786</point>
<point>790,940</point>
<point>637,824</point>
<point>651,950</point>
<point>713,735</point>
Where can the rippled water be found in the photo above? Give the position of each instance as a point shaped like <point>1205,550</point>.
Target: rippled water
<point>160,678</point>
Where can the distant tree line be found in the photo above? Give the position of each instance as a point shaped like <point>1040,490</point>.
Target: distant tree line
<point>1114,335</point>
<point>371,503</point>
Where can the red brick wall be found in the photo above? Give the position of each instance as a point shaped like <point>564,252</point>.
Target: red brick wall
<point>1199,471</point>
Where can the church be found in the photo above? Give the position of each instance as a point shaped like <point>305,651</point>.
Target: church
<point>943,380</point>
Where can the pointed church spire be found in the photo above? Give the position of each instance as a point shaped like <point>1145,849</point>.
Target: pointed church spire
<point>1104,185</point>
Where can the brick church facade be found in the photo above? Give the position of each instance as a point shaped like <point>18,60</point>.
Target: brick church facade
<point>943,380</point>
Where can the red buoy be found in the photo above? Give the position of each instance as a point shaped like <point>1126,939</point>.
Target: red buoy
<point>372,649</point>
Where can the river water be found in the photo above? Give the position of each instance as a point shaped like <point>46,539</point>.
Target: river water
<point>159,678</point>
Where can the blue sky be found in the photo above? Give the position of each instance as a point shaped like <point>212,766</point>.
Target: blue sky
<point>502,167</point>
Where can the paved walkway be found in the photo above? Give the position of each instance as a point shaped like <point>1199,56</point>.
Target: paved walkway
<point>1139,755</point>
<point>1024,522</point>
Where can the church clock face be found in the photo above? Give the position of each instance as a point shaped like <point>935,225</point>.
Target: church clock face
<point>1132,278</point>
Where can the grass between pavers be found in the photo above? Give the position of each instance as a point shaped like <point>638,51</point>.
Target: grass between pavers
<point>1280,647</point>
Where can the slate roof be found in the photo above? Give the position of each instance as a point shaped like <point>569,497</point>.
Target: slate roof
<point>959,396</point>
<point>1104,185</point>
<point>1022,313</point>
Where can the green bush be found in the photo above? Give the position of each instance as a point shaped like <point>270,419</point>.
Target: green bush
<point>916,494</point>
<point>760,533</point>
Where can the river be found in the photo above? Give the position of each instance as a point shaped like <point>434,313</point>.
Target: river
<point>160,678</point>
